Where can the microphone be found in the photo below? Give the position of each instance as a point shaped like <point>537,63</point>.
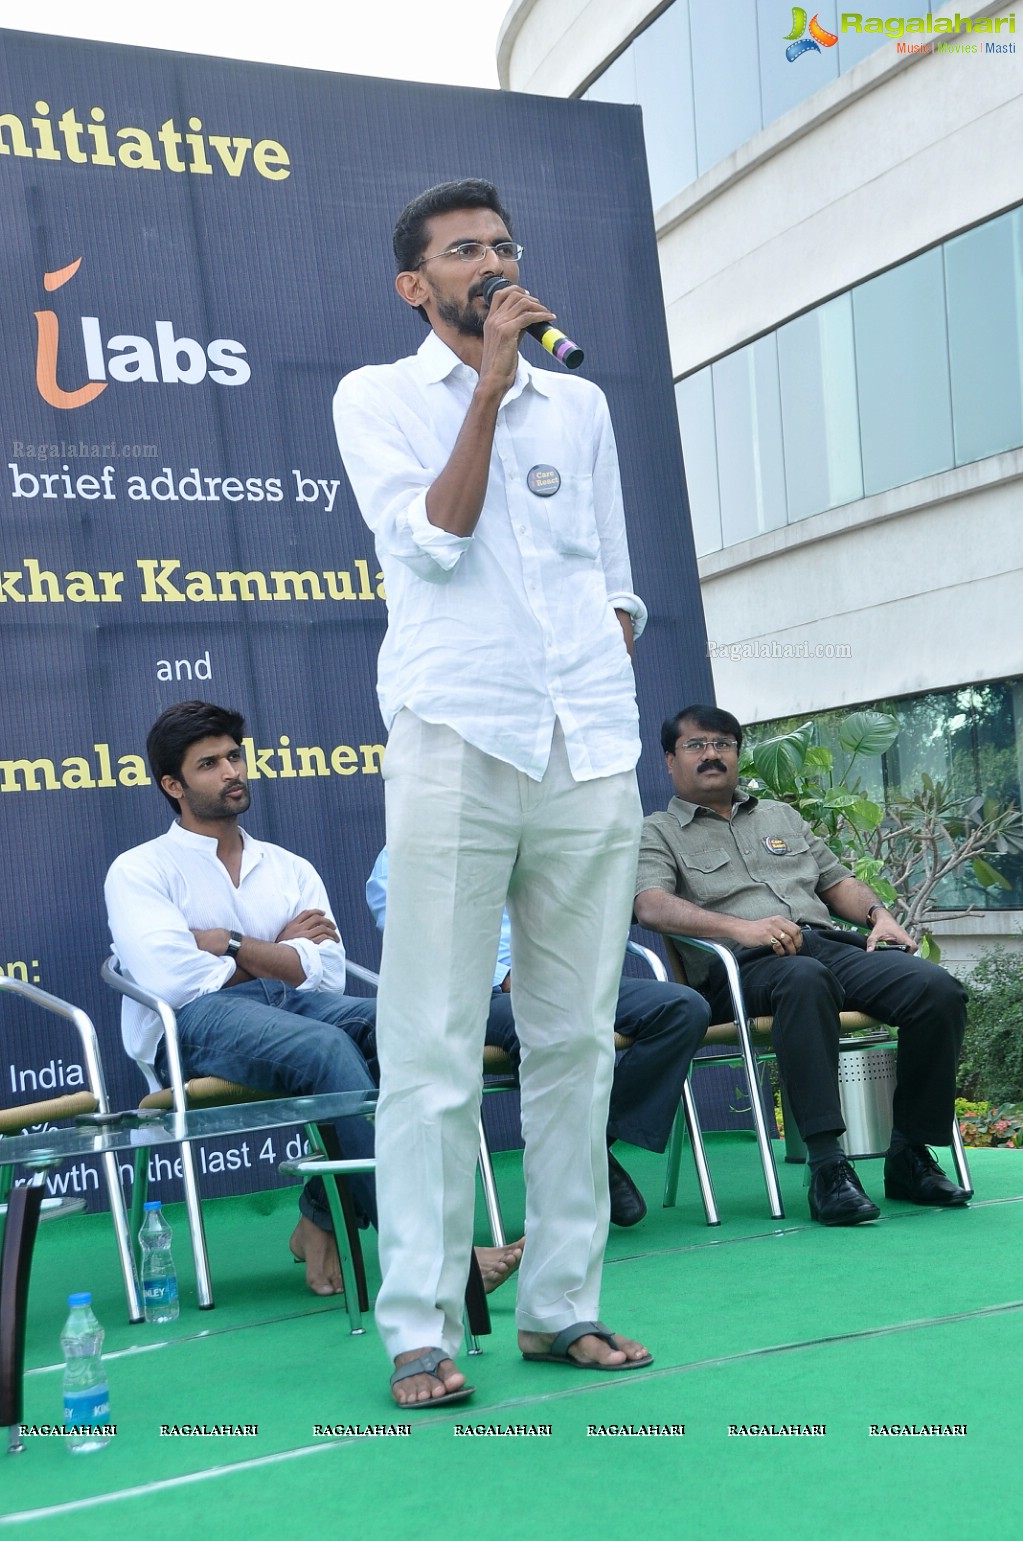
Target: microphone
<point>563,348</point>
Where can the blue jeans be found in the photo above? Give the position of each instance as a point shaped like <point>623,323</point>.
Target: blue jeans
<point>266,1035</point>
<point>666,1023</point>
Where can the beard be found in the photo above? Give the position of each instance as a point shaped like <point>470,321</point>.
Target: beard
<point>466,319</point>
<point>204,806</point>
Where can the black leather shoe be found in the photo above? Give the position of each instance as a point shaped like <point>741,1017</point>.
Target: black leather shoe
<point>914,1175</point>
<point>837,1197</point>
<point>627,1203</point>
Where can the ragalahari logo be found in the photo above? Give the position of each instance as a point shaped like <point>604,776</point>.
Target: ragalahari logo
<point>819,37</point>
<point>128,359</point>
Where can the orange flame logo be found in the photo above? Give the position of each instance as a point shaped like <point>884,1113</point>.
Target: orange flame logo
<point>48,339</point>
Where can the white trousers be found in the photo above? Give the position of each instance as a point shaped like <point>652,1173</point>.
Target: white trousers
<point>467,833</point>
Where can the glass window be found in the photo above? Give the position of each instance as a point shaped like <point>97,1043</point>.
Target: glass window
<point>820,417</point>
<point>860,393</point>
<point>694,399</point>
<point>655,73</point>
<point>784,81</point>
<point>747,413</point>
<point>984,282</point>
<point>726,72</point>
<point>710,74</point>
<point>618,81</point>
<point>970,739</point>
<point>665,78</point>
<point>902,370</point>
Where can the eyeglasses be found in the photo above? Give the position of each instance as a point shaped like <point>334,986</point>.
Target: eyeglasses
<point>475,251</point>
<point>698,745</point>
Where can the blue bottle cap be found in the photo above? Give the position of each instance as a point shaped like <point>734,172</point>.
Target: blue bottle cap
<point>84,1299</point>
<point>152,1204</point>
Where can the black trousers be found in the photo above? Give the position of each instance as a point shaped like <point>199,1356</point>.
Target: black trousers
<point>806,992</point>
<point>667,1023</point>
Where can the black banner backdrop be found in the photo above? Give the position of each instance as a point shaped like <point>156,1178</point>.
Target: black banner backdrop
<point>195,250</point>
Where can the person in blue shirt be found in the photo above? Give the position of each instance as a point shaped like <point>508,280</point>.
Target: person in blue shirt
<point>666,1023</point>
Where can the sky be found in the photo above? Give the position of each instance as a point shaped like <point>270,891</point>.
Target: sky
<point>448,42</point>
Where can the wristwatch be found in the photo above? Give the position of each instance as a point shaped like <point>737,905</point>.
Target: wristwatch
<point>870,913</point>
<point>234,943</point>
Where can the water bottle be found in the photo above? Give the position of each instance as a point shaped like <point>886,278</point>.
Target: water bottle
<point>86,1396</point>
<point>159,1279</point>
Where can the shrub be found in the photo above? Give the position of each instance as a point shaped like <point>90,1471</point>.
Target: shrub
<point>982,1124</point>
<point>991,1067</point>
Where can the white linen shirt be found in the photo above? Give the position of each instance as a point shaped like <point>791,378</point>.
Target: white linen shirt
<point>159,893</point>
<point>499,633</point>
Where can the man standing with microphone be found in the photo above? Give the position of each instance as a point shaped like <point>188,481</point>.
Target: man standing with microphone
<point>505,680</point>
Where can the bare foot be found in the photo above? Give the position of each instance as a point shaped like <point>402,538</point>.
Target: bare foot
<point>417,1389</point>
<point>497,1264</point>
<point>588,1349</point>
<point>318,1251</point>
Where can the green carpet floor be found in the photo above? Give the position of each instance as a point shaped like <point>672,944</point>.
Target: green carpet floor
<point>916,1320</point>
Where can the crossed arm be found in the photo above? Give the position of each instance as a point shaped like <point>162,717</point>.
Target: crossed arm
<point>152,922</point>
<point>270,960</point>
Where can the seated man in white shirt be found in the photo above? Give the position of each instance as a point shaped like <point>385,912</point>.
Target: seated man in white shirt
<point>237,935</point>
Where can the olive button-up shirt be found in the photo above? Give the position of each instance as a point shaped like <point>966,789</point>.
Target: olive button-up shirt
<point>763,861</point>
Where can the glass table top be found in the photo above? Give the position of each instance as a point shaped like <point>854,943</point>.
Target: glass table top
<point>94,1136</point>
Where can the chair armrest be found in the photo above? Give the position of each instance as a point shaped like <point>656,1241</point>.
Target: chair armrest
<point>112,976</point>
<point>365,974</point>
<point>651,960</point>
<point>731,968</point>
<point>82,1023</point>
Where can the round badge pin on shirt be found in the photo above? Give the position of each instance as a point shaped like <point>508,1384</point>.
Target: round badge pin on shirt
<point>543,481</point>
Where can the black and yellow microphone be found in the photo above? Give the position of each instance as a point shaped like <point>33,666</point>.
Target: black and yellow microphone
<point>563,348</point>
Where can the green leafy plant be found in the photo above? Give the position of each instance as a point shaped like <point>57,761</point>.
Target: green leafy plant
<point>991,1065</point>
<point>905,849</point>
<point>982,1124</point>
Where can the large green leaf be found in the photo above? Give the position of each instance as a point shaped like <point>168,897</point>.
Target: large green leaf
<point>864,814</point>
<point>868,733</point>
<point>779,760</point>
<point>986,875</point>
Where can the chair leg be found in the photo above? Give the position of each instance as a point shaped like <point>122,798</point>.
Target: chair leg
<point>959,1160</point>
<point>490,1196</point>
<point>674,1161</point>
<point>703,1177</point>
<point>477,1312</point>
<point>139,1194</point>
<point>196,1229</point>
<point>15,1266</point>
<point>760,1125</point>
<point>132,1289</point>
<point>323,1137</point>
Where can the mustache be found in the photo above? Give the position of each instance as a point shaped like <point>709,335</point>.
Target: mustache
<point>235,786</point>
<point>713,765</point>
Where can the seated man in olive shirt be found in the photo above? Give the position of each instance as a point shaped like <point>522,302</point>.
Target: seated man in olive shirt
<point>733,868</point>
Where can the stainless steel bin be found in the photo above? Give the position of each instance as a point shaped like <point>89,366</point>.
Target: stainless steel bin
<point>866,1086</point>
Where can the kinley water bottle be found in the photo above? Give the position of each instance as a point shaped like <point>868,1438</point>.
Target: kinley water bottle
<point>159,1279</point>
<point>86,1395</point>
